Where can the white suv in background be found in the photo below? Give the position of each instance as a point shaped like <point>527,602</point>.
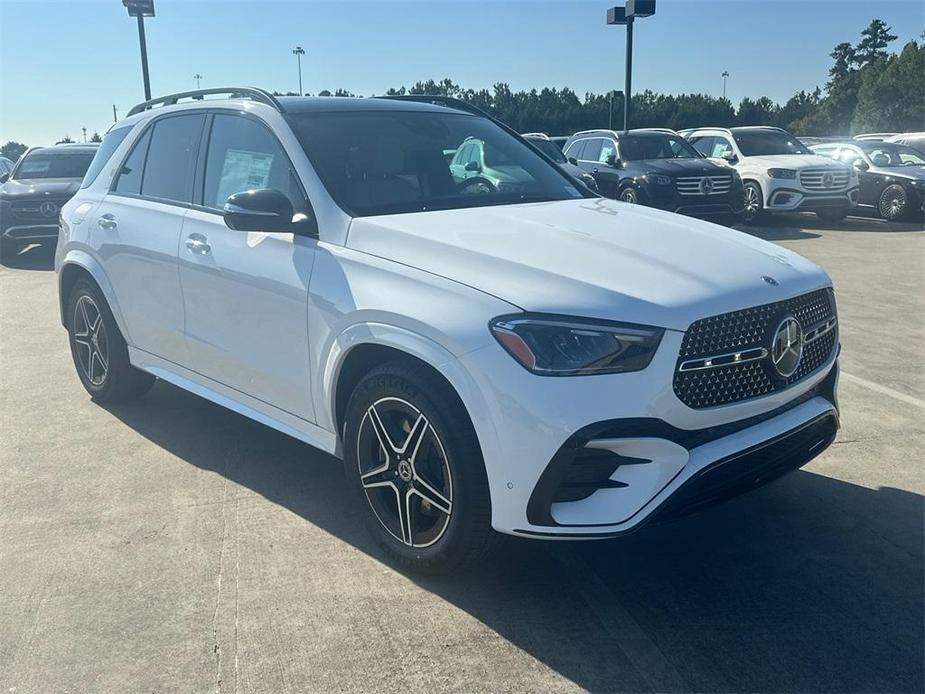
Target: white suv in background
<point>779,173</point>
<point>544,362</point>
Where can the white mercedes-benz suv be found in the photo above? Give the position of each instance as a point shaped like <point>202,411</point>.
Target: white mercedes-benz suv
<point>528,357</point>
<point>779,173</point>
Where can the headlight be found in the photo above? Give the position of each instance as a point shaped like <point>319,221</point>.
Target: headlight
<point>782,173</point>
<point>658,179</point>
<point>561,346</point>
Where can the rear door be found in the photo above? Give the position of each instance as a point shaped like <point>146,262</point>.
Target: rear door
<point>246,293</point>
<point>136,230</point>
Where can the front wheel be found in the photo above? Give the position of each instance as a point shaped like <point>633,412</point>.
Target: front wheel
<point>753,206</point>
<point>98,349</point>
<point>630,195</point>
<point>413,456</point>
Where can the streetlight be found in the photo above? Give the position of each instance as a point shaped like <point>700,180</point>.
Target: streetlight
<point>197,77</point>
<point>299,52</point>
<point>142,9</point>
<point>725,75</point>
<point>625,16</point>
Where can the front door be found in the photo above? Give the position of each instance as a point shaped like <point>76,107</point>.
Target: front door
<point>246,293</point>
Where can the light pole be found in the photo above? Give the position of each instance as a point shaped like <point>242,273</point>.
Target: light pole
<point>197,77</point>
<point>299,52</point>
<point>142,9</point>
<point>625,16</point>
<point>725,75</point>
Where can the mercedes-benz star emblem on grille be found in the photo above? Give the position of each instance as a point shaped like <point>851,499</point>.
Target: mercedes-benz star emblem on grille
<point>769,280</point>
<point>828,180</point>
<point>706,186</point>
<point>48,209</point>
<point>787,346</point>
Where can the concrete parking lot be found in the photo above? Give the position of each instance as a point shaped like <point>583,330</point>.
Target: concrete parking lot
<point>171,545</point>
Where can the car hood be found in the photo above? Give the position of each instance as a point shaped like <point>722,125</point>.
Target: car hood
<point>679,167</point>
<point>794,161</point>
<point>39,187</point>
<point>595,258</point>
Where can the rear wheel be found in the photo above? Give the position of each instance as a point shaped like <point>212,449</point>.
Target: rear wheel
<point>412,454</point>
<point>893,203</point>
<point>753,208</point>
<point>98,349</point>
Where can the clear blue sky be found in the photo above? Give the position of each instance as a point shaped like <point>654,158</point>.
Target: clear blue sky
<point>63,64</point>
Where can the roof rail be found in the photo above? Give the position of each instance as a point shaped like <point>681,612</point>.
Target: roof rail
<point>254,93</point>
<point>596,131</point>
<point>439,100</point>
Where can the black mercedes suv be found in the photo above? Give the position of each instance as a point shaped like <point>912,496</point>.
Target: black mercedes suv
<point>657,167</point>
<point>31,196</point>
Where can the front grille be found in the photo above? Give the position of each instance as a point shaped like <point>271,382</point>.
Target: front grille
<point>32,210</point>
<point>726,359</point>
<point>694,185</point>
<point>824,179</point>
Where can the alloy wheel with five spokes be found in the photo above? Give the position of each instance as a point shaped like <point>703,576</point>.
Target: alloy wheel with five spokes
<point>91,340</point>
<point>404,472</point>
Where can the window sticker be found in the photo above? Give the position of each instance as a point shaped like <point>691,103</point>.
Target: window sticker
<point>243,170</point>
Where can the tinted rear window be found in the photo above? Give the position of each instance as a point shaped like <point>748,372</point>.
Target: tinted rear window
<point>169,168</point>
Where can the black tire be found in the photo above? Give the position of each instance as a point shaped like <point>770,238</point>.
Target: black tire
<point>447,460</point>
<point>832,216</point>
<point>753,210</point>
<point>629,195</point>
<point>893,204</point>
<point>98,349</point>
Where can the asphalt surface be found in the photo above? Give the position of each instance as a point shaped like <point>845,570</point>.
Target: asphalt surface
<point>170,545</point>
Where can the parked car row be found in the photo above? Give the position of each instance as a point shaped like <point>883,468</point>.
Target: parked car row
<point>748,172</point>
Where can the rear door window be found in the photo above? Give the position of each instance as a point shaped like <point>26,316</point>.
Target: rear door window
<point>704,145</point>
<point>592,150</point>
<point>109,145</point>
<point>576,149</point>
<point>128,180</point>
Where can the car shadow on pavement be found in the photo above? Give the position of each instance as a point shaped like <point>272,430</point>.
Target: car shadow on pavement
<point>805,226</point>
<point>809,584</point>
<point>31,257</point>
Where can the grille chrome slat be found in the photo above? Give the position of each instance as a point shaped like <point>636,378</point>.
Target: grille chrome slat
<point>815,179</point>
<point>693,185</point>
<point>747,332</point>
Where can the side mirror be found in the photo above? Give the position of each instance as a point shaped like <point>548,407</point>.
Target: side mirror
<point>473,166</point>
<point>266,210</point>
<point>573,161</point>
<point>4,177</point>
<point>614,161</point>
<point>730,156</point>
<point>860,165</point>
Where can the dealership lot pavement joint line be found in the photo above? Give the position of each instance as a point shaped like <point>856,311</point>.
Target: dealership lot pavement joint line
<point>646,657</point>
<point>883,390</point>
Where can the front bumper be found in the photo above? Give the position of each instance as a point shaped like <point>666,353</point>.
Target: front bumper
<point>781,198</point>
<point>530,428</point>
<point>30,232</point>
<point>668,199</point>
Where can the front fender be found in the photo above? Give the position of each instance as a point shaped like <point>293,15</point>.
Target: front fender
<point>77,258</point>
<point>415,345</point>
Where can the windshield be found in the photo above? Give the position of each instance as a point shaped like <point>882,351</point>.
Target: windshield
<point>549,148</point>
<point>43,163</point>
<point>637,146</point>
<point>885,154</point>
<point>389,162</point>
<point>756,143</point>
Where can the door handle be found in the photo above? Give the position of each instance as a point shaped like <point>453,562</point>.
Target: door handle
<point>107,221</point>
<point>197,243</point>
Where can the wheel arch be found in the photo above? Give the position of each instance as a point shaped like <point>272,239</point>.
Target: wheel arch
<point>77,265</point>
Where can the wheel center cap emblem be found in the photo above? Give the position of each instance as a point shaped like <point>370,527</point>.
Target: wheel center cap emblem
<point>787,347</point>
<point>404,471</point>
